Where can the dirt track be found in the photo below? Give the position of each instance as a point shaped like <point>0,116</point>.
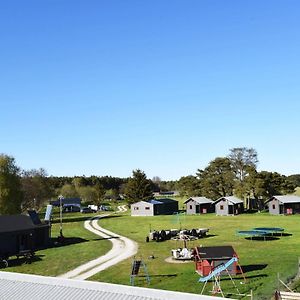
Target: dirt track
<point>122,249</point>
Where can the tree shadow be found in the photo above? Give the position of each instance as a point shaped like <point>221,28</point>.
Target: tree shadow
<point>66,241</point>
<point>250,268</point>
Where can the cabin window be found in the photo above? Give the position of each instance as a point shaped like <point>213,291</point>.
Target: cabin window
<point>273,206</point>
<point>191,206</point>
<point>221,207</point>
<point>147,207</point>
<point>136,208</point>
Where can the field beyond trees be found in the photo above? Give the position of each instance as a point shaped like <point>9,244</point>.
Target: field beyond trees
<point>261,260</point>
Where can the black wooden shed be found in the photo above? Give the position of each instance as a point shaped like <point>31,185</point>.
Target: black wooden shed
<point>21,234</point>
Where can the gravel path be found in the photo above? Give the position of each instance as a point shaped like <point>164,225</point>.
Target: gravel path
<point>122,249</point>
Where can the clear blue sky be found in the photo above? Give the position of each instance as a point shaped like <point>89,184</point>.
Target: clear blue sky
<point>105,87</point>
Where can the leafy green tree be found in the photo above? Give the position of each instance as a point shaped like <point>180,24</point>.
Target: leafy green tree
<point>87,193</point>
<point>188,186</point>
<point>11,195</point>
<point>36,187</point>
<point>217,179</point>
<point>242,158</point>
<point>100,193</point>
<point>68,191</point>
<point>275,184</point>
<point>295,179</point>
<point>138,187</point>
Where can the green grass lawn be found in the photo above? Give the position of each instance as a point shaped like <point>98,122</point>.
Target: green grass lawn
<point>264,258</point>
<point>59,260</point>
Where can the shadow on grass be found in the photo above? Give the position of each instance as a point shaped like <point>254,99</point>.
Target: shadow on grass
<point>262,238</point>
<point>250,268</point>
<point>102,239</point>
<point>82,218</point>
<point>209,236</point>
<point>240,278</point>
<point>22,260</point>
<point>161,275</point>
<point>282,234</point>
<point>56,242</point>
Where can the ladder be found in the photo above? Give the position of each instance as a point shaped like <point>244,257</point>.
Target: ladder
<point>137,265</point>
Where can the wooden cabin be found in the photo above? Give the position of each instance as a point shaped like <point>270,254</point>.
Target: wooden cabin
<point>199,205</point>
<point>21,234</point>
<point>229,206</point>
<point>284,205</point>
<point>208,258</point>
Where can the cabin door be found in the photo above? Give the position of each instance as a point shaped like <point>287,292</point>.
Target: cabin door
<point>197,209</point>
<point>230,209</point>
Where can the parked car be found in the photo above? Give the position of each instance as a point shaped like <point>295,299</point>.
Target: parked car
<point>86,210</point>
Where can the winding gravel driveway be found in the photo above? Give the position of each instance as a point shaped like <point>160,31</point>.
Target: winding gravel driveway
<point>122,249</point>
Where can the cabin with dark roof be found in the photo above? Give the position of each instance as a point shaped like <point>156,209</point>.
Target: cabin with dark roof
<point>154,207</point>
<point>21,234</point>
<point>199,205</point>
<point>229,206</point>
<point>284,205</point>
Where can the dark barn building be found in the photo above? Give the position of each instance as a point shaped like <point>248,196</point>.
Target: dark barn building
<point>19,235</point>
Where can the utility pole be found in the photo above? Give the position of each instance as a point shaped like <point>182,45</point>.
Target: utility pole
<point>60,197</point>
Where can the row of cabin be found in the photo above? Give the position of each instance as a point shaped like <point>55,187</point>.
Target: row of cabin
<point>277,205</point>
<point>224,206</point>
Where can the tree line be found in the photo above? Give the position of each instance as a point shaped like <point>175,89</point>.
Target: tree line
<point>234,174</point>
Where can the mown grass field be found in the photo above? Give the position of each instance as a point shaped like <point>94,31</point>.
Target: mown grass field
<point>262,260</point>
<point>84,246</point>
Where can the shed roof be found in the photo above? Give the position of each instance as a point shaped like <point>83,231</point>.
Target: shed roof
<point>158,201</point>
<point>200,200</point>
<point>286,198</point>
<point>66,201</point>
<point>217,252</point>
<point>11,223</point>
<point>162,200</point>
<point>33,287</point>
<point>231,199</point>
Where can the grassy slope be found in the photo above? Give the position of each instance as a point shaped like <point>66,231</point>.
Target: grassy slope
<point>58,260</point>
<point>278,255</point>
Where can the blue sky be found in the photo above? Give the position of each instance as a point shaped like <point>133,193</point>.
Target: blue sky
<point>105,87</point>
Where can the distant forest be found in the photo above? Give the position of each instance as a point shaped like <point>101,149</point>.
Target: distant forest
<point>234,174</point>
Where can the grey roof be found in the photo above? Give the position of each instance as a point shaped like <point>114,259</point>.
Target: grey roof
<point>158,201</point>
<point>287,199</point>
<point>200,200</point>
<point>231,199</point>
<point>33,287</point>
<point>14,223</point>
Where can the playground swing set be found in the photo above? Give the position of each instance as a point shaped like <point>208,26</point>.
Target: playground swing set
<point>214,262</point>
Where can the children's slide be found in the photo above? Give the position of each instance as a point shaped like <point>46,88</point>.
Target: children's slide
<point>218,270</point>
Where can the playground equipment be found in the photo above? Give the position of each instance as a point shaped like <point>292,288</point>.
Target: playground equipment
<point>183,253</point>
<point>185,234</point>
<point>214,262</point>
<point>136,266</point>
<point>260,232</point>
